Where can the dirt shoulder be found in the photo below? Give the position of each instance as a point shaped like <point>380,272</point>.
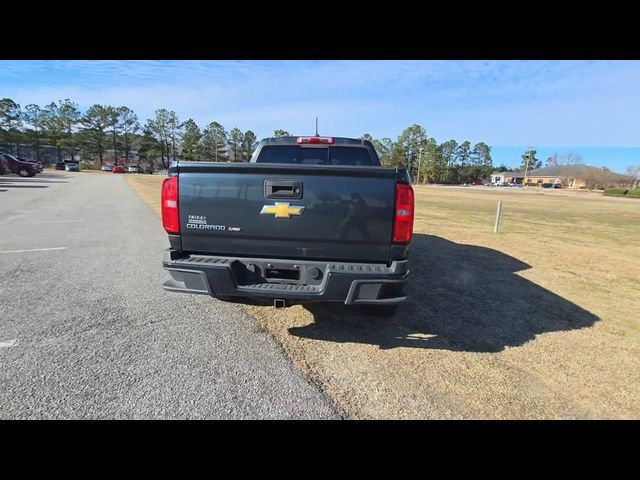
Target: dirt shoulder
<point>148,187</point>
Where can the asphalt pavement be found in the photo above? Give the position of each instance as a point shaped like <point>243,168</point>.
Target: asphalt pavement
<point>86,331</point>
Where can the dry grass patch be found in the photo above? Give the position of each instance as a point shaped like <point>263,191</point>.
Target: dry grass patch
<point>538,321</point>
<point>148,187</point>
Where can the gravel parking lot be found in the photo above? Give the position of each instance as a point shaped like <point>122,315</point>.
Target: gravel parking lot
<point>86,331</point>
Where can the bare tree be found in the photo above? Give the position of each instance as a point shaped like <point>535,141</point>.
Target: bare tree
<point>602,178</point>
<point>634,172</point>
<point>553,161</point>
<point>571,158</point>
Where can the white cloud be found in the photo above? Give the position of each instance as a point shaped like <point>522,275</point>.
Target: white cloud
<point>505,102</point>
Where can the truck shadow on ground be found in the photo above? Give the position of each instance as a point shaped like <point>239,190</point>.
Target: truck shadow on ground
<point>460,298</point>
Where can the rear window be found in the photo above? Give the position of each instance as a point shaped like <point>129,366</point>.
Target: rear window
<point>334,155</point>
<point>279,154</point>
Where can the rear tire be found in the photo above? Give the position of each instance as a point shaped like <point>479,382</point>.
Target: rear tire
<point>23,172</point>
<point>224,298</point>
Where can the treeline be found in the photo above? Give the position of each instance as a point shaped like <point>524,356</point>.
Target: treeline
<point>431,162</point>
<point>104,131</point>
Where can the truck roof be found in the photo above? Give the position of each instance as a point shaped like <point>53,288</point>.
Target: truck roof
<point>336,140</point>
<point>315,141</point>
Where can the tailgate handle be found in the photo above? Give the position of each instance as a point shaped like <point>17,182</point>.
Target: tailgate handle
<point>282,188</point>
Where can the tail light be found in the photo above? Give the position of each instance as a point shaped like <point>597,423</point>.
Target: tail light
<point>315,140</point>
<point>403,220</point>
<point>170,217</point>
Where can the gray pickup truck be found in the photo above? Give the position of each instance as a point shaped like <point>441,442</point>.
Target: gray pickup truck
<point>308,219</point>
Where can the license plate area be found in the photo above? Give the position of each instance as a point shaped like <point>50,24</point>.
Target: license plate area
<point>252,272</point>
<point>280,274</point>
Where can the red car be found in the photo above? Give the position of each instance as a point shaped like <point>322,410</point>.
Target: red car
<point>19,166</point>
<point>118,169</point>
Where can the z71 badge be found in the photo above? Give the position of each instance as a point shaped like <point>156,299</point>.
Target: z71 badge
<point>199,222</point>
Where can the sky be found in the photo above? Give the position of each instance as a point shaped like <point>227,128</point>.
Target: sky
<point>586,107</point>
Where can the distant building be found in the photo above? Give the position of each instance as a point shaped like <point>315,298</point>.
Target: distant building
<point>507,177</point>
<point>570,176</point>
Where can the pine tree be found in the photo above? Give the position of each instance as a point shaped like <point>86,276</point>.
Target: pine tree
<point>191,141</point>
<point>214,142</point>
<point>249,143</point>
<point>236,138</point>
<point>94,125</point>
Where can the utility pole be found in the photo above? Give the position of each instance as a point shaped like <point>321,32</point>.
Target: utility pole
<point>526,169</point>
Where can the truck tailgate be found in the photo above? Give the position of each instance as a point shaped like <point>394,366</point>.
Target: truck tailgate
<point>302,211</point>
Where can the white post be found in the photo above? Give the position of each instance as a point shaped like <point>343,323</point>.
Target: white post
<point>419,164</point>
<point>498,213</point>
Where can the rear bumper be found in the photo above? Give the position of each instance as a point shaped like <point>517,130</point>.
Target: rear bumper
<point>349,283</point>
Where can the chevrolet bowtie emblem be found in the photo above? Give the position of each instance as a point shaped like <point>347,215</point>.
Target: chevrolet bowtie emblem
<point>281,210</point>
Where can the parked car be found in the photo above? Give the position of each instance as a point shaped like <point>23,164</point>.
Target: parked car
<point>72,167</point>
<point>547,185</point>
<point>60,166</point>
<point>38,165</point>
<point>557,185</point>
<point>107,167</point>
<point>22,168</point>
<point>118,169</point>
<point>4,166</point>
<point>133,169</point>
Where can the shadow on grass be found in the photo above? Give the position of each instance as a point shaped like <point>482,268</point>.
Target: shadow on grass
<point>460,298</point>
